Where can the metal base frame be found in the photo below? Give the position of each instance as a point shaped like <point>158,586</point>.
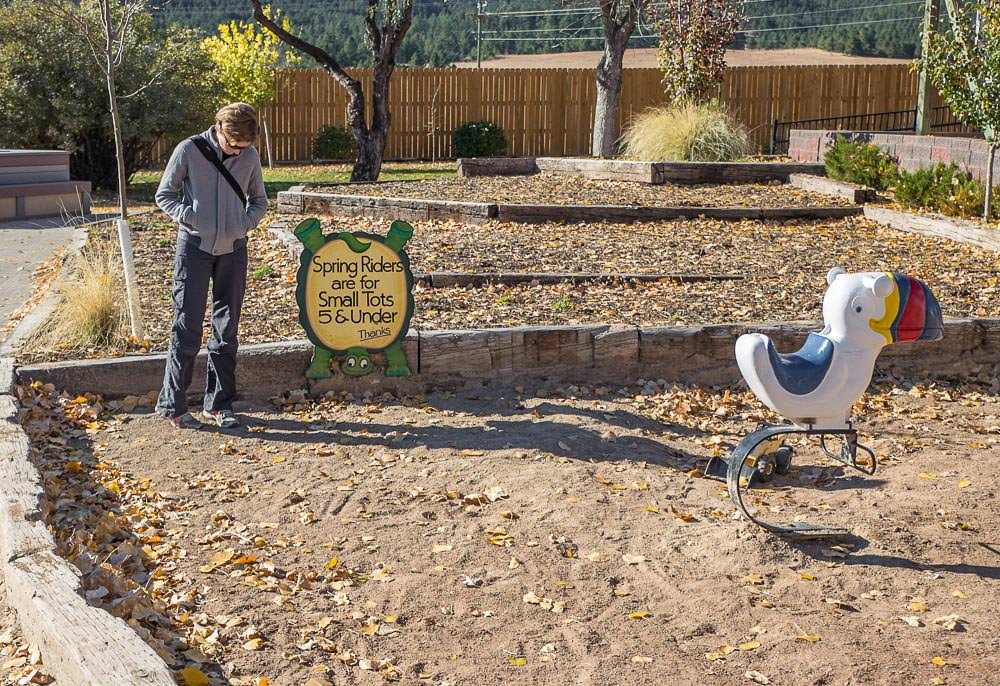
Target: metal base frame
<point>762,454</point>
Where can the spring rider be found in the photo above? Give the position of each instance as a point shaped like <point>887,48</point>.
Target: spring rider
<point>816,387</point>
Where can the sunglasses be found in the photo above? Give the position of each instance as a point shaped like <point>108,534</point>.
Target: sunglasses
<point>229,143</point>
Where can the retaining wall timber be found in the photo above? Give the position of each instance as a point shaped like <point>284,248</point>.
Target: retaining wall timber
<point>641,172</point>
<point>80,643</point>
<point>578,354</point>
<point>859,195</point>
<point>295,201</point>
<point>912,151</point>
<point>972,233</point>
<point>496,166</point>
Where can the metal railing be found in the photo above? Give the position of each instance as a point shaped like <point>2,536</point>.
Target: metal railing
<point>897,120</point>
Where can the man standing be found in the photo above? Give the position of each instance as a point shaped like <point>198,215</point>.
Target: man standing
<point>213,188</point>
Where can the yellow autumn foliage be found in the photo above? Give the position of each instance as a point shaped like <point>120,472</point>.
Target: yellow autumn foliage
<point>247,59</point>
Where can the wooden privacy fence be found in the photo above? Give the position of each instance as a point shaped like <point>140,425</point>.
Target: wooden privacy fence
<point>549,112</point>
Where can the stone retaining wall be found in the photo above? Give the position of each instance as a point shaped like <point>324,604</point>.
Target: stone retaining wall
<point>912,151</point>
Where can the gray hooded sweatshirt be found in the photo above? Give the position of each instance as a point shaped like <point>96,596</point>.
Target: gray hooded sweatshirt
<point>198,197</point>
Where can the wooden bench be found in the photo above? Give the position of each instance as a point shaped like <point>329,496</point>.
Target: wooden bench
<point>36,184</point>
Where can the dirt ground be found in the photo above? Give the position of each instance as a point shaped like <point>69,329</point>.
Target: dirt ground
<point>646,57</point>
<point>533,536</point>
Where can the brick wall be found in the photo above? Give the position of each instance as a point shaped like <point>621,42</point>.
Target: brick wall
<point>912,151</point>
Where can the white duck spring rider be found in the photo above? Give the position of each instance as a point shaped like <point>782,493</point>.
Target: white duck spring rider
<point>816,387</point>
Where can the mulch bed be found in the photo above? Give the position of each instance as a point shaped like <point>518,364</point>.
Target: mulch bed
<point>783,264</point>
<point>550,189</point>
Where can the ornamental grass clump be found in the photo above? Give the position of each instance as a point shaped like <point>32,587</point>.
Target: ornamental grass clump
<point>686,132</point>
<point>92,304</point>
<point>90,313</point>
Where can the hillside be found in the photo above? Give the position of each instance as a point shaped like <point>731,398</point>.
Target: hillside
<point>444,31</point>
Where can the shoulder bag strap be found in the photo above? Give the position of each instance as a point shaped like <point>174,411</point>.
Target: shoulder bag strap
<point>210,155</point>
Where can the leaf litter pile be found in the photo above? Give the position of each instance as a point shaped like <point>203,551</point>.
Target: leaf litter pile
<point>529,535</point>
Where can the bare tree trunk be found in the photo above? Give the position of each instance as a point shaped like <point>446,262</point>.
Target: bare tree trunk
<point>619,18</point>
<point>988,204</point>
<point>385,40</point>
<point>124,236</point>
<point>381,117</point>
<point>267,143</point>
<point>606,111</point>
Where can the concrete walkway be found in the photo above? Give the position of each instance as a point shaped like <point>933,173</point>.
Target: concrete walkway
<point>24,245</point>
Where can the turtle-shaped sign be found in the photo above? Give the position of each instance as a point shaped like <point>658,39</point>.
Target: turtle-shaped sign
<point>355,298</point>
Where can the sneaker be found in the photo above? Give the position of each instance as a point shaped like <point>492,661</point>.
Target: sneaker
<point>224,418</point>
<point>184,421</point>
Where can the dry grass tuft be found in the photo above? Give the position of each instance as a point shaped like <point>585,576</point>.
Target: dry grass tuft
<point>686,132</point>
<point>91,311</point>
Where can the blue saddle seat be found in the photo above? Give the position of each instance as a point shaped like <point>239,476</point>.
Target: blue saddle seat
<point>803,371</point>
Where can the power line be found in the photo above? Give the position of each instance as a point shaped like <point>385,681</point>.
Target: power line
<point>600,36</point>
<point>836,9</point>
<point>823,26</point>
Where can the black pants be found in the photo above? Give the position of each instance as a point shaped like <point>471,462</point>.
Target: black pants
<point>193,269</point>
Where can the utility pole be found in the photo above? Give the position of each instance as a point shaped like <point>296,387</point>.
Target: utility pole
<point>924,110</point>
<point>479,34</point>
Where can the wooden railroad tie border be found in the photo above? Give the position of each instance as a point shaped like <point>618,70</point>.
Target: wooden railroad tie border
<point>859,195</point>
<point>939,226</point>
<point>585,354</point>
<point>411,209</point>
<point>641,172</point>
<point>80,644</point>
<point>478,279</point>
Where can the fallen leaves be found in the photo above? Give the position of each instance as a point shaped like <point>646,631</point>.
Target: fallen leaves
<point>841,604</point>
<point>951,622</point>
<point>194,677</point>
<point>632,559</point>
<point>719,653</point>
<point>498,536</point>
<point>555,606</point>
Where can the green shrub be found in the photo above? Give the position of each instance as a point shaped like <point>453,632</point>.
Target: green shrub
<point>686,132</point>
<point>860,163</point>
<point>478,139</point>
<point>943,188</point>
<point>333,143</point>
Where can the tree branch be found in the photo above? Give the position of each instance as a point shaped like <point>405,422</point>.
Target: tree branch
<point>371,26</point>
<point>318,54</point>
